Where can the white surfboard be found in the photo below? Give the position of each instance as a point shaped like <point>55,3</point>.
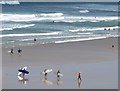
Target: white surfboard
<point>20,78</point>
<point>47,71</point>
<point>60,74</point>
<point>24,68</point>
<point>19,73</point>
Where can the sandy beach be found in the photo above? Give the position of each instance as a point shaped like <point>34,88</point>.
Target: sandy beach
<point>95,59</point>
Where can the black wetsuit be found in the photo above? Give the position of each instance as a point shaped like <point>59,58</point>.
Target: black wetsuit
<point>11,51</point>
<point>79,77</point>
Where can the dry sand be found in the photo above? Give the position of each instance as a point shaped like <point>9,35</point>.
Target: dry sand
<point>95,59</point>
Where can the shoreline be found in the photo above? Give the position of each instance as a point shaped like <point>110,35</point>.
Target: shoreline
<point>58,42</point>
<point>68,50</point>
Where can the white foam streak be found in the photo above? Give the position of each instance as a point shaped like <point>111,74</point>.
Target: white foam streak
<point>30,17</point>
<point>57,17</point>
<point>76,40</point>
<point>49,15</point>
<point>16,26</point>
<point>74,30</point>
<point>30,34</point>
<point>83,11</point>
<point>9,2</point>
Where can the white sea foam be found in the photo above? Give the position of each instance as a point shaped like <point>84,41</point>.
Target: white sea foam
<point>85,33</point>
<point>81,39</point>
<point>100,28</point>
<point>31,17</point>
<point>74,30</point>
<point>93,29</point>
<point>29,34</point>
<point>16,26</point>
<point>73,19</point>
<point>57,17</point>
<point>84,11</point>
<point>49,15</point>
<point>10,2</point>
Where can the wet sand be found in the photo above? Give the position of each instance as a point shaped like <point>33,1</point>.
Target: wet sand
<point>96,60</point>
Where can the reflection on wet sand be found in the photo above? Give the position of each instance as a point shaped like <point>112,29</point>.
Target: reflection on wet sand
<point>58,82</point>
<point>22,79</point>
<point>79,83</point>
<point>46,81</point>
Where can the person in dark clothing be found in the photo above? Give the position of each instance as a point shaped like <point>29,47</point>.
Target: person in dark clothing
<point>11,51</point>
<point>112,46</point>
<point>45,72</point>
<point>35,39</point>
<point>79,77</point>
<point>58,76</point>
<point>19,50</point>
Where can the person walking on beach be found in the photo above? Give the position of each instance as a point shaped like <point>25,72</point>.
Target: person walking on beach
<point>58,76</point>
<point>19,50</point>
<point>11,51</point>
<point>79,76</point>
<point>45,72</point>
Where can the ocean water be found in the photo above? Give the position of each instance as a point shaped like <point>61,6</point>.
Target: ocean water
<point>57,22</point>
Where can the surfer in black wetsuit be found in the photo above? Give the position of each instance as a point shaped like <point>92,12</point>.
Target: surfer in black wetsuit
<point>79,77</point>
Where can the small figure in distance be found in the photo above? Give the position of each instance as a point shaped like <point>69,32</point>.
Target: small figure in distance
<point>19,50</point>
<point>104,28</point>
<point>79,77</point>
<point>35,39</point>
<point>45,72</point>
<point>11,51</point>
<point>109,29</point>
<point>112,46</point>
<point>58,76</point>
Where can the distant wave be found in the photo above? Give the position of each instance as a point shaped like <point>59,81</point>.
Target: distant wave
<point>29,34</point>
<point>84,11</point>
<point>98,9</point>
<point>10,2</point>
<point>56,17</point>
<point>49,15</point>
<point>73,19</point>
<point>31,17</point>
<point>16,26</point>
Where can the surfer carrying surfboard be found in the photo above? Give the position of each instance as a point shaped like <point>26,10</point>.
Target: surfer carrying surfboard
<point>58,76</point>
